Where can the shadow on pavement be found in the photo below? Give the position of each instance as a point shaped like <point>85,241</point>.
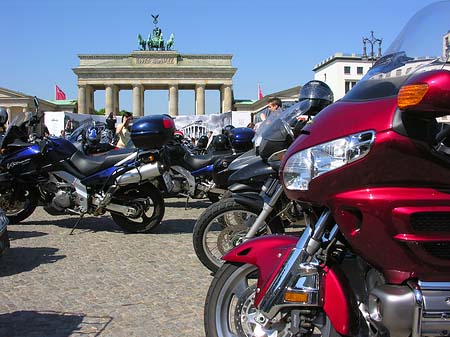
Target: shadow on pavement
<point>21,259</point>
<point>51,324</point>
<point>181,203</point>
<point>90,223</point>
<point>179,226</point>
<point>17,235</point>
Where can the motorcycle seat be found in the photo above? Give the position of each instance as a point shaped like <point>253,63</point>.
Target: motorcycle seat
<point>195,162</point>
<point>88,165</point>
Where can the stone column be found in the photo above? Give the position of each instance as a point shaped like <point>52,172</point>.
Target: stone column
<point>173,100</point>
<point>137,100</point>
<point>142,113</point>
<point>109,98</point>
<point>227,99</point>
<point>115,94</point>
<point>90,99</point>
<point>82,99</point>
<point>200,99</point>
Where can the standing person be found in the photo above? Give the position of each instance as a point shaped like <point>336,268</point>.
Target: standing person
<point>273,110</point>
<point>69,127</point>
<point>274,106</point>
<point>123,130</point>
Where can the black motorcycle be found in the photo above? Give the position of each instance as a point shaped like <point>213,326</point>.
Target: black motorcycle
<point>257,205</point>
<point>191,173</point>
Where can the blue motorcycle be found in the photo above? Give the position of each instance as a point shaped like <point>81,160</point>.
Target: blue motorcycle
<point>36,169</point>
<point>191,173</point>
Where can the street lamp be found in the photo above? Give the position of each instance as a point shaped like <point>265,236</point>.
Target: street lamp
<point>372,41</point>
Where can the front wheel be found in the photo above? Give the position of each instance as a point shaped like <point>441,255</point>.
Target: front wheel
<point>18,203</point>
<point>222,226</point>
<point>230,312</point>
<point>149,203</point>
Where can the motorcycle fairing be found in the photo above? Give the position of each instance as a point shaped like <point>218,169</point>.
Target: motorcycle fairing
<point>99,178</point>
<point>269,253</point>
<point>258,170</point>
<point>407,237</point>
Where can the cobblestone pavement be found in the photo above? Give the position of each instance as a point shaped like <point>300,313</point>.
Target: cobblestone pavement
<point>103,282</point>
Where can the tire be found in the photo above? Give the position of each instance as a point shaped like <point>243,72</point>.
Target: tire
<point>221,227</point>
<point>229,310</point>
<point>18,204</point>
<point>149,199</point>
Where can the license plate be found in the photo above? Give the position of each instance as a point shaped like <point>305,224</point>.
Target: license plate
<point>3,221</point>
<point>168,181</point>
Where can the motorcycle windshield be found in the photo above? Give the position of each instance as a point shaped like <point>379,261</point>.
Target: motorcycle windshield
<point>422,45</point>
<point>291,116</point>
<point>77,134</point>
<point>18,129</point>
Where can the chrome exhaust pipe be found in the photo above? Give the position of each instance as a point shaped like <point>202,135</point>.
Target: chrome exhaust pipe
<point>139,174</point>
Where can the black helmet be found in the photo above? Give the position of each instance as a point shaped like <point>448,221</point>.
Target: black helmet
<point>227,128</point>
<point>3,116</point>
<point>202,142</point>
<point>221,143</point>
<point>318,92</point>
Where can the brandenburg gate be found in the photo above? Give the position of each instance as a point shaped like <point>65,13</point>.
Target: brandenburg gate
<point>154,67</point>
<point>153,70</point>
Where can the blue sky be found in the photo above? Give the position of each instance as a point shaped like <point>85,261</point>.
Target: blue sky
<point>274,43</point>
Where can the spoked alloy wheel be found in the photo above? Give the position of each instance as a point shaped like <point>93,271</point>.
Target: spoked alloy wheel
<point>222,227</point>
<point>148,202</point>
<point>18,204</point>
<point>229,309</point>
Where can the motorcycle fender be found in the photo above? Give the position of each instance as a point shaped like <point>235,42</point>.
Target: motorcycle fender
<point>250,199</point>
<point>339,302</point>
<point>240,188</point>
<point>267,253</point>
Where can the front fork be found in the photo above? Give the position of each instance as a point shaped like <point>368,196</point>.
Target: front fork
<point>271,193</point>
<point>301,282</point>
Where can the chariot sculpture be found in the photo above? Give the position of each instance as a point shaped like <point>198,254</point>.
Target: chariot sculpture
<point>156,41</point>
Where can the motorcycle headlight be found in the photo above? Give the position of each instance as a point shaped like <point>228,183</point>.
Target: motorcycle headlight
<point>304,166</point>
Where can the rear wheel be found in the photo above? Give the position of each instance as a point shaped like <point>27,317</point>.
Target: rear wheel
<point>222,226</point>
<point>18,204</point>
<point>149,204</point>
<point>229,309</point>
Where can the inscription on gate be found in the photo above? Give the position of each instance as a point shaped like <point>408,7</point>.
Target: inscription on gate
<point>151,60</point>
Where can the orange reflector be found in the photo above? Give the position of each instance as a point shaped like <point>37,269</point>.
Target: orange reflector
<point>410,95</point>
<point>151,158</point>
<point>295,297</point>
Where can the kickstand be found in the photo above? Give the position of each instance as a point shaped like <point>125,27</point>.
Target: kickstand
<point>77,223</point>
<point>186,204</point>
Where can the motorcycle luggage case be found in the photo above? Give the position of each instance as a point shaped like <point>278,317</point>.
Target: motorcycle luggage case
<point>242,138</point>
<point>152,132</point>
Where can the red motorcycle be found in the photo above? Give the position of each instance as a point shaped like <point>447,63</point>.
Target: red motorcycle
<point>372,172</point>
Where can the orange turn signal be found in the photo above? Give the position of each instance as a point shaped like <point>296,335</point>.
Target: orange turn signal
<point>290,296</point>
<point>151,158</point>
<point>410,95</point>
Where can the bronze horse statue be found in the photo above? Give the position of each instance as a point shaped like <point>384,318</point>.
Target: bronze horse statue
<point>170,41</point>
<point>142,42</point>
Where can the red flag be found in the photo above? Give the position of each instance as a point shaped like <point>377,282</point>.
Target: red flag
<point>59,94</point>
<point>260,94</point>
